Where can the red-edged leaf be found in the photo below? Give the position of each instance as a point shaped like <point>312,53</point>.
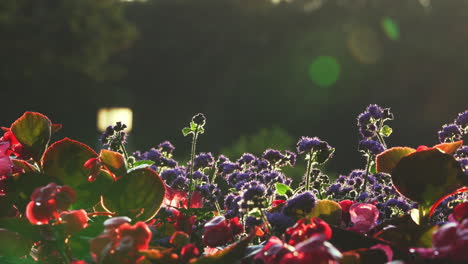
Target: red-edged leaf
<point>138,195</point>
<point>56,128</point>
<point>26,166</point>
<point>451,147</point>
<point>33,131</point>
<point>65,160</point>
<point>114,161</point>
<point>387,160</point>
<point>434,206</point>
<point>425,176</point>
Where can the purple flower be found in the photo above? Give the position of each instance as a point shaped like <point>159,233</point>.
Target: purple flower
<point>228,167</point>
<point>170,175</point>
<point>166,146</point>
<point>363,196</point>
<point>106,134</point>
<point>273,156</point>
<point>372,146</point>
<point>251,222</point>
<point>254,192</point>
<point>449,132</point>
<point>462,152</point>
<point>280,221</point>
<point>462,120</point>
<point>364,119</point>
<point>292,157</point>
<point>321,149</point>
<point>464,165</point>
<point>375,111</point>
<point>247,158</point>
<point>334,189</point>
<point>180,183</point>
<point>198,175</point>
<point>203,160</point>
<point>153,154</point>
<point>303,202</point>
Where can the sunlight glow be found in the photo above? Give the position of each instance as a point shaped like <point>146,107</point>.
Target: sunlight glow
<point>109,116</point>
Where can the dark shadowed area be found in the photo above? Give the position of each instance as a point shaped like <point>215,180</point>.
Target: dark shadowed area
<point>264,73</point>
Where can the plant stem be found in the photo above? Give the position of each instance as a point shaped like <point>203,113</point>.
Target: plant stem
<point>368,165</point>
<point>308,170</point>
<point>379,137</point>
<point>192,159</point>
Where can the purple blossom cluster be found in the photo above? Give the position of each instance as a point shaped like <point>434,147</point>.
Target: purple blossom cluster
<point>370,121</point>
<point>317,149</point>
<point>456,130</point>
<point>114,137</point>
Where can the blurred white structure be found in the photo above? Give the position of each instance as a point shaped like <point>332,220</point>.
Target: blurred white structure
<point>109,116</point>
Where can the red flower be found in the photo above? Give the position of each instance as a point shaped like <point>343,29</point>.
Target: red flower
<point>273,251</point>
<point>74,221</point>
<point>94,166</point>
<point>5,163</point>
<point>122,244</point>
<point>47,201</point>
<point>363,216</point>
<point>305,229</point>
<point>217,232</point>
<point>188,252</point>
<point>345,216</point>
<point>312,250</point>
<point>15,146</point>
<point>178,199</point>
<point>460,212</point>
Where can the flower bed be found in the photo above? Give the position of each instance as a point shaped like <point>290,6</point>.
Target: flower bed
<point>63,202</point>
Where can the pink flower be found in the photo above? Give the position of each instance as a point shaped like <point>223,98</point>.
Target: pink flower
<point>460,211</point>
<point>5,163</point>
<point>217,232</point>
<point>313,250</point>
<point>188,252</point>
<point>363,216</point>
<point>451,241</point>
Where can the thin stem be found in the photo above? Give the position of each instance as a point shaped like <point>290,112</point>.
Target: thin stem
<point>192,159</point>
<point>379,137</point>
<point>308,170</point>
<point>368,165</point>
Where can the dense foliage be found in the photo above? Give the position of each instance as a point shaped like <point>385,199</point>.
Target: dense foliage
<point>63,202</point>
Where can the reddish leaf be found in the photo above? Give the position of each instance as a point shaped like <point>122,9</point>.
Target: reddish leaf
<point>387,160</point>
<point>114,161</point>
<point>26,166</point>
<point>427,175</point>
<point>33,131</point>
<point>449,148</point>
<point>64,160</point>
<point>56,128</point>
<point>138,195</point>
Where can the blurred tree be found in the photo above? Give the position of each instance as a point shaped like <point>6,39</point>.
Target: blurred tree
<point>72,35</point>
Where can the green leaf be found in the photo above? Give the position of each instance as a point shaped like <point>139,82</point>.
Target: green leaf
<point>33,131</point>
<point>427,175</point>
<point>282,189</point>
<point>386,131</point>
<point>143,162</point>
<point>64,161</point>
<point>140,165</point>
<point>327,210</point>
<point>138,195</point>
<point>22,227</point>
<point>13,244</point>
<point>387,160</point>
<point>114,161</point>
<point>186,131</point>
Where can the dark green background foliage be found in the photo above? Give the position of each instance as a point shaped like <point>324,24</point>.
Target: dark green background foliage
<point>243,63</point>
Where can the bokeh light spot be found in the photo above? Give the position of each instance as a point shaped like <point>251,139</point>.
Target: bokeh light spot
<point>364,44</point>
<point>324,71</point>
<point>390,28</point>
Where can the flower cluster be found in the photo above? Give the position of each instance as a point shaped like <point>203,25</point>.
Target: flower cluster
<point>454,131</point>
